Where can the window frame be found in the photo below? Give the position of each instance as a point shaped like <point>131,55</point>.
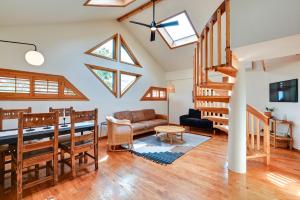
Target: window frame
<point>129,52</point>
<point>33,76</point>
<point>115,38</point>
<point>124,3</point>
<point>163,33</point>
<point>151,98</point>
<point>138,76</point>
<point>115,77</point>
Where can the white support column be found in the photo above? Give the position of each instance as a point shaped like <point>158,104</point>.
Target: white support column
<point>237,125</point>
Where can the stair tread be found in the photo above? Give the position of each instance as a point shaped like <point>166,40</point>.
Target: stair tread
<point>218,85</point>
<point>224,99</point>
<point>224,128</point>
<point>223,120</point>
<point>215,117</point>
<point>221,110</point>
<point>227,70</point>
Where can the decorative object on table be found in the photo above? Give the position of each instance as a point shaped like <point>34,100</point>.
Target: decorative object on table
<point>193,119</point>
<point>30,129</point>
<point>170,133</point>
<point>170,90</point>
<point>33,57</point>
<point>152,148</point>
<point>284,139</point>
<point>269,111</point>
<point>62,112</point>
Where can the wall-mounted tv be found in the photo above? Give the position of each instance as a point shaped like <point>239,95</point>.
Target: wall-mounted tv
<point>284,91</point>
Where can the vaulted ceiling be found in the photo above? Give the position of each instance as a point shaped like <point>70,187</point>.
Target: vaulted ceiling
<point>37,12</point>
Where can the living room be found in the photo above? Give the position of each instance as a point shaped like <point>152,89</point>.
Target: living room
<point>149,99</point>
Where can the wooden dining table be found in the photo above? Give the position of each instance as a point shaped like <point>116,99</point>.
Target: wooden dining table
<point>10,136</point>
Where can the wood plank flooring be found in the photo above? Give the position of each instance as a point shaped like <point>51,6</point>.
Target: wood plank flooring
<point>200,174</point>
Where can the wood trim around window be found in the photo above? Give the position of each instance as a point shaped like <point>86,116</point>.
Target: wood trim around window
<point>189,19</point>
<point>124,3</point>
<point>115,72</point>
<point>31,95</point>
<point>116,45</point>
<point>131,54</point>
<point>138,76</point>
<point>150,92</point>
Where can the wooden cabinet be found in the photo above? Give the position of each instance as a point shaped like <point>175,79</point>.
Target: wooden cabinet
<point>279,140</point>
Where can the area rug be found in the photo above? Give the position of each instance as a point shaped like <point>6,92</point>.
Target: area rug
<point>156,149</point>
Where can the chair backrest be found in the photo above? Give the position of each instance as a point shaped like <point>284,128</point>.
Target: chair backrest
<point>84,116</point>
<point>7,114</point>
<point>62,112</point>
<point>34,121</point>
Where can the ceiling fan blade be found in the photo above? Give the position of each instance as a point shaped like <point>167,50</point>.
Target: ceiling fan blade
<point>152,36</point>
<point>174,23</point>
<point>141,24</point>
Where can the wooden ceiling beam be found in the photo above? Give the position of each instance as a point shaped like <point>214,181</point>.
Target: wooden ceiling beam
<point>137,10</point>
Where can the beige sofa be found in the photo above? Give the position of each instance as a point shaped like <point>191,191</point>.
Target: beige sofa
<point>142,121</point>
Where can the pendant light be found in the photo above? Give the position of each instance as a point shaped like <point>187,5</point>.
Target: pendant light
<point>32,57</point>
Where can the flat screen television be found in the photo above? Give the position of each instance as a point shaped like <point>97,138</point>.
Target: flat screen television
<point>284,91</point>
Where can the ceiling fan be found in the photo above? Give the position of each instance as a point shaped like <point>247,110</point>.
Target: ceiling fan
<point>154,26</point>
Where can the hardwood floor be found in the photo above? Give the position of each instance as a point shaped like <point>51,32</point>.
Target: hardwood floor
<point>200,174</point>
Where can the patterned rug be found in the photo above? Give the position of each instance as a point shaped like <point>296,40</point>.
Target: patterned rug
<point>159,150</point>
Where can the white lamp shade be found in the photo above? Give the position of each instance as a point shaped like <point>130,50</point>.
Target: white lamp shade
<point>34,58</point>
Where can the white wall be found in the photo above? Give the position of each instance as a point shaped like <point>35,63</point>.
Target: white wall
<point>258,90</point>
<point>64,46</point>
<point>254,21</point>
<point>182,100</point>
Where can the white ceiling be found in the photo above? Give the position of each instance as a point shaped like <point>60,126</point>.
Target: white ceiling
<point>37,12</point>
<point>173,59</point>
<point>282,47</point>
<point>33,12</point>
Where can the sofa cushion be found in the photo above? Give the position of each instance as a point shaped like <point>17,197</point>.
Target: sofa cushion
<point>124,115</point>
<point>139,126</point>
<point>138,116</point>
<point>194,113</point>
<point>149,114</point>
<point>198,123</point>
<point>155,122</point>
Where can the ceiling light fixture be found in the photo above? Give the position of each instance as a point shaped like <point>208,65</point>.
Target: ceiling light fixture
<point>32,57</point>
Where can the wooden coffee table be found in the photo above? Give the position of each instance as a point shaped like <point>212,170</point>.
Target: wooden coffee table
<point>170,132</point>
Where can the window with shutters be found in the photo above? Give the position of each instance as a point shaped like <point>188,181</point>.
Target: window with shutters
<point>155,94</point>
<point>21,85</point>
<point>14,85</point>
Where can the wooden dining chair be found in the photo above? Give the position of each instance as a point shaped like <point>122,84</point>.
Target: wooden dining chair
<point>81,144</point>
<point>7,114</point>
<point>35,152</point>
<point>63,112</point>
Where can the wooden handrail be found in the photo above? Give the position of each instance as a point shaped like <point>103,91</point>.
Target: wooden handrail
<point>214,16</point>
<point>258,114</point>
<point>253,132</point>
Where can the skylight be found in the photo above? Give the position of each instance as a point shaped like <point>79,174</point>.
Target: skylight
<point>180,35</point>
<point>106,3</point>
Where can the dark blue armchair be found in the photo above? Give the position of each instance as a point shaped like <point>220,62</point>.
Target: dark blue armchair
<point>193,119</point>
